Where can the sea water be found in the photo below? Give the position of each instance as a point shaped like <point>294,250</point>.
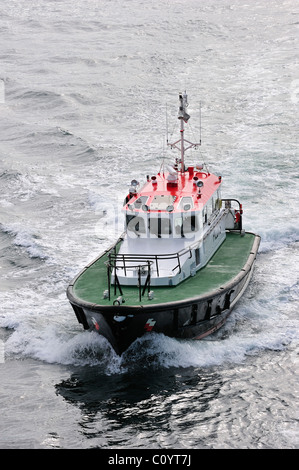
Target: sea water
<point>85,87</point>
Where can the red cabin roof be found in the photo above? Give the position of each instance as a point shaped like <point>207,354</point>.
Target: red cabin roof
<point>175,191</point>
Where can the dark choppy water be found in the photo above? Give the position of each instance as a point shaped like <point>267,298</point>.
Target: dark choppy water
<point>83,89</point>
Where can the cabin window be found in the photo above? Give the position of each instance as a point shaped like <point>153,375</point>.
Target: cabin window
<point>129,218</point>
<point>190,223</point>
<point>178,226</point>
<point>140,201</point>
<point>165,226</point>
<point>135,224</point>
<point>185,224</point>
<point>159,226</point>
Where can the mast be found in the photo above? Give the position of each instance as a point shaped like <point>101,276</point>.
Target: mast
<point>183,116</point>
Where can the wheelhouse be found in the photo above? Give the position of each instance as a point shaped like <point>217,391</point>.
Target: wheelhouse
<point>173,211</point>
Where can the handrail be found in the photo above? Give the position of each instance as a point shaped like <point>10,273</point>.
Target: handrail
<point>240,211</point>
<point>147,258</point>
<point>111,266</point>
<point>122,261</point>
<point>137,256</point>
<point>144,258</point>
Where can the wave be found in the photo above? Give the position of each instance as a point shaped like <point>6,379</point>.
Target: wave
<point>22,186</point>
<point>277,238</point>
<point>49,150</point>
<point>25,239</point>
<point>21,96</point>
<point>61,347</point>
<point>43,99</point>
<point>249,331</point>
<point>54,139</point>
<point>155,350</point>
<point>10,175</point>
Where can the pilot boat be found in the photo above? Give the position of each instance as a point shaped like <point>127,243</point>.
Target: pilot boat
<point>182,263</point>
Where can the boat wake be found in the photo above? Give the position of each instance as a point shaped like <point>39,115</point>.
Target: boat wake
<point>264,319</point>
<point>248,332</point>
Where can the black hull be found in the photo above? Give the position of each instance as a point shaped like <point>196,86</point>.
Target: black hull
<point>122,334</point>
<point>193,318</point>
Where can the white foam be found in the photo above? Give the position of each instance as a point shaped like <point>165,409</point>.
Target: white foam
<point>259,322</point>
<point>213,351</point>
<point>26,239</point>
<point>53,344</point>
<point>276,238</point>
<point>264,319</point>
<point>4,203</point>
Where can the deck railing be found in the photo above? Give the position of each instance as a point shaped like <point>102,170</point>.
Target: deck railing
<point>142,264</point>
<point>239,211</point>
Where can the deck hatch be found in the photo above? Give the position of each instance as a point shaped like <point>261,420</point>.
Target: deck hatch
<point>160,202</point>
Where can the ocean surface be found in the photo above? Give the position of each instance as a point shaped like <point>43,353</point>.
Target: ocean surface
<point>85,87</point>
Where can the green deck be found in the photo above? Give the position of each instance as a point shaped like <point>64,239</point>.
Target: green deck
<point>223,267</point>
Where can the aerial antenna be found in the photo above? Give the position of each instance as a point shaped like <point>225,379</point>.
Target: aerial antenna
<point>183,116</point>
<point>200,122</point>
<point>166,125</point>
